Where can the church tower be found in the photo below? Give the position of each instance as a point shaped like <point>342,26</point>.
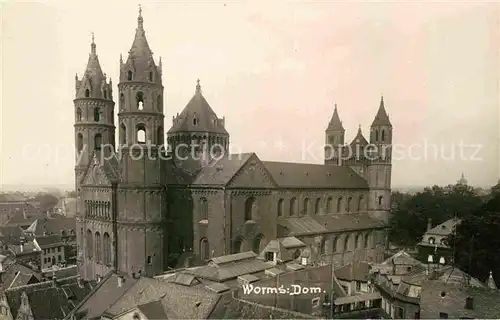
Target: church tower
<point>334,139</point>
<point>94,113</point>
<point>141,196</point>
<point>379,170</point>
<point>94,127</point>
<point>197,135</point>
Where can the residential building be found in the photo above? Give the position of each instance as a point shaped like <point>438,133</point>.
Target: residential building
<point>435,241</point>
<point>53,249</point>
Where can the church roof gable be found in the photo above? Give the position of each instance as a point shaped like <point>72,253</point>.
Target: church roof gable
<point>220,172</point>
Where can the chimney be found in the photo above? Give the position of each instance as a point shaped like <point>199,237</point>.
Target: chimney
<point>469,303</point>
<point>121,280</point>
<point>98,278</point>
<point>48,214</point>
<point>429,224</point>
<point>25,214</point>
<point>54,281</point>
<point>21,247</point>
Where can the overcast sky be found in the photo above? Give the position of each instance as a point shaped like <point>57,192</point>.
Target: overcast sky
<point>274,69</point>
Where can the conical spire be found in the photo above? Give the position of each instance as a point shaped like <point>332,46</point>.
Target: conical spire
<point>359,138</point>
<point>491,282</point>
<point>140,47</point>
<point>381,119</point>
<point>93,76</point>
<point>335,123</point>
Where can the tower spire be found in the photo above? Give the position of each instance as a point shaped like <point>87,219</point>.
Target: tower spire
<point>92,45</point>
<point>335,123</point>
<point>140,20</point>
<point>198,86</point>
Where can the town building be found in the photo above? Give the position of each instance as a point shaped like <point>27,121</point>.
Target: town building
<point>140,216</point>
<point>435,241</point>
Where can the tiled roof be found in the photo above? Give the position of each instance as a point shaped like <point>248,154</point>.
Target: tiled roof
<point>306,175</point>
<point>241,309</point>
<point>402,258</point>
<point>10,234</point>
<point>50,241</point>
<point>234,257</point>
<point>19,220</point>
<point>27,248</point>
<point>17,208</point>
<point>40,293</point>
<point>17,274</point>
<point>231,271</point>
<point>54,225</point>
<point>327,223</point>
<point>220,172</point>
<point>292,243</point>
<point>198,108</point>
<point>105,295</point>
<point>153,310</point>
<point>358,271</point>
<point>444,228</point>
<point>438,297</point>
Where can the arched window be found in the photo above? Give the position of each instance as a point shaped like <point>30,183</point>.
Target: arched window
<point>376,135</point>
<point>339,204</point>
<point>357,241</point>
<point>281,207</point>
<point>204,249</point>
<point>136,316</point>
<point>443,242</point>
<point>203,209</point>
<point>305,209</point>
<point>382,138</point>
<point>322,246</point>
<point>78,114</point>
<point>159,102</point>
<point>122,101</point>
<point>141,133</point>
<point>129,75</point>
<point>139,97</point>
<point>317,205</point>
<point>367,240</point>
<point>329,205</point>
<point>432,240</point>
<point>349,200</point>
<point>257,243</point>
<point>97,141</point>
<point>159,136</point>
<point>105,92</point>
<point>107,249</point>
<point>249,209</point>
<point>293,206</point>
<point>334,244</point>
<point>346,243</point>
<point>97,114</point>
<point>380,199</point>
<point>360,203</point>
<point>87,93</point>
<point>238,243</point>
<point>123,134</point>
<point>79,142</point>
<point>195,121</point>
<point>90,244</point>
<point>98,247</point>
<point>150,76</point>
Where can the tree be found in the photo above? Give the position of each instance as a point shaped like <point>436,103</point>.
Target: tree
<point>476,241</point>
<point>409,217</point>
<point>47,201</point>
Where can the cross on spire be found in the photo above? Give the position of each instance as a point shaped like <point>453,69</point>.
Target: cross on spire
<point>139,18</point>
<point>92,45</point>
<point>198,87</point>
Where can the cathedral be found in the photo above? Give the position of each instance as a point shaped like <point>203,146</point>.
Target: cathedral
<point>144,203</point>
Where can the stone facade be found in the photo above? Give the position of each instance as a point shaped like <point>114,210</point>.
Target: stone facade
<point>139,214</point>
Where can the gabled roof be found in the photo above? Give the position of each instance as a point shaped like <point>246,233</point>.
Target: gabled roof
<point>199,109</point>
<point>358,271</point>
<point>52,225</point>
<point>306,175</point>
<point>221,171</point>
<point>103,162</point>
<point>445,228</point>
<point>359,139</point>
<point>277,247</point>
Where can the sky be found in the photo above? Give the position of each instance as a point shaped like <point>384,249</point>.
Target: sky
<point>274,70</point>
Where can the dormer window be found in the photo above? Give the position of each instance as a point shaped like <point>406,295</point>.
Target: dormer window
<point>129,75</point>
<point>269,256</point>
<point>195,121</point>
<point>87,93</point>
<point>432,240</point>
